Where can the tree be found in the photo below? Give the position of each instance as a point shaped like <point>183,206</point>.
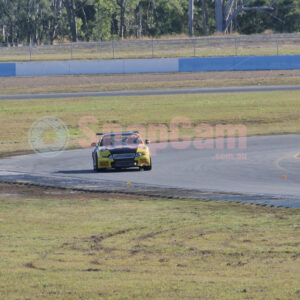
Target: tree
<point>123,6</point>
<point>219,15</point>
<point>285,17</point>
<point>226,12</point>
<point>55,19</point>
<point>44,21</point>
<point>9,14</point>
<point>191,17</point>
<point>204,17</point>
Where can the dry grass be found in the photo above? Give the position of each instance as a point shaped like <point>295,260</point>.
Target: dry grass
<point>178,47</point>
<point>53,84</point>
<point>262,113</point>
<point>90,247</point>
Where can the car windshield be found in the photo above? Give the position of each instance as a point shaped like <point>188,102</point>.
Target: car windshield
<point>120,140</point>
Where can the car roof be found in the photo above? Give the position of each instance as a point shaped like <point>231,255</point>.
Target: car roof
<point>128,133</point>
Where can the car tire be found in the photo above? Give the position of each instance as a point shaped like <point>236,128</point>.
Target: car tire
<point>148,168</point>
<point>95,163</point>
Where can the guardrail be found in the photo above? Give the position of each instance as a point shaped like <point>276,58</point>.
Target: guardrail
<point>287,44</point>
<point>156,65</point>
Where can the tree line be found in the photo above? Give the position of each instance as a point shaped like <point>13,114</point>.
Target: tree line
<point>47,21</point>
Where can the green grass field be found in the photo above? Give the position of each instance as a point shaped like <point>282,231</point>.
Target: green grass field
<point>261,113</point>
<point>84,246</point>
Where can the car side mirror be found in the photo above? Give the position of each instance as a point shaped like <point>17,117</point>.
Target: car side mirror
<point>147,142</point>
<point>93,145</point>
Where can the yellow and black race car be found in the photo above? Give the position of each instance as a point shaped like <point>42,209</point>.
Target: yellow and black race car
<point>120,151</point>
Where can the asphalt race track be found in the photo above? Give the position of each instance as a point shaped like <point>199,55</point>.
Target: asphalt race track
<point>243,89</point>
<point>266,172</point>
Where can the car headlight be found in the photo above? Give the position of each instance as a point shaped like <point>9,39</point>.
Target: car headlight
<point>139,154</point>
<point>104,153</point>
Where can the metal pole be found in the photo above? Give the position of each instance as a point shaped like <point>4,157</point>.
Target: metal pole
<point>191,17</point>
<point>152,48</point>
<point>194,43</point>
<point>71,50</point>
<point>236,47</point>
<point>113,48</point>
<point>277,46</point>
<point>30,50</point>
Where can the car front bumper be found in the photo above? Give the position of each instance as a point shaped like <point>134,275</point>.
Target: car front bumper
<point>106,163</point>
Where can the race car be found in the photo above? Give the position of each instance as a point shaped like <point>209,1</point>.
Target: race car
<point>121,151</point>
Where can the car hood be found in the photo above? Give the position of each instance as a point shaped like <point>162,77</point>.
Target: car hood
<point>124,149</point>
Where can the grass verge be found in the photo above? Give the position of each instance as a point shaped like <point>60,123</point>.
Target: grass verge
<point>83,83</point>
<point>87,246</point>
<point>136,50</point>
<point>262,113</point>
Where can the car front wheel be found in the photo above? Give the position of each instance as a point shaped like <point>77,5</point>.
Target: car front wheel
<point>95,163</point>
<point>148,168</point>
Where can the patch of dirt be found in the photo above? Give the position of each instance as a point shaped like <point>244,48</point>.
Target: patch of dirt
<point>32,266</point>
<point>93,270</point>
<point>14,153</point>
<point>181,265</point>
<point>94,242</point>
<point>97,239</point>
<point>138,248</point>
<point>151,235</point>
<point>7,195</point>
<point>22,190</point>
<point>102,81</point>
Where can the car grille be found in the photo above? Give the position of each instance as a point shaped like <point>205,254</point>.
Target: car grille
<point>124,156</point>
<point>124,163</point>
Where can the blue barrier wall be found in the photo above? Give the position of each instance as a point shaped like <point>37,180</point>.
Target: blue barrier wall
<point>163,65</point>
<point>239,63</point>
<point>7,69</point>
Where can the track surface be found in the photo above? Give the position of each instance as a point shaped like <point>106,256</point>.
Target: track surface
<point>183,172</point>
<point>153,92</point>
